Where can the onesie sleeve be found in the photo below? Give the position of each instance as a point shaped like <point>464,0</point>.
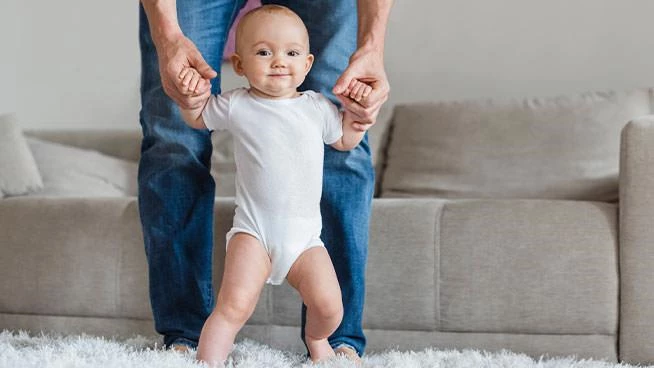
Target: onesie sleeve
<point>333,123</point>
<point>216,113</point>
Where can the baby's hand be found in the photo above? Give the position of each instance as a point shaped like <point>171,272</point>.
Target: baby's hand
<point>189,81</point>
<point>357,90</point>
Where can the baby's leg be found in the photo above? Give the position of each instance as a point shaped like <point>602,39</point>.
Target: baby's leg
<point>247,266</point>
<point>314,277</point>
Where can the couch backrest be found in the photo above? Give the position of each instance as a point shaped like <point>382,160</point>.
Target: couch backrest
<point>124,144</point>
<point>564,147</point>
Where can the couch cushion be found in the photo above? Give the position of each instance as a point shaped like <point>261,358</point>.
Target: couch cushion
<point>396,298</point>
<point>63,255</point>
<point>18,171</point>
<point>486,266</point>
<point>402,286</point>
<point>75,172</point>
<point>528,266</point>
<point>549,148</point>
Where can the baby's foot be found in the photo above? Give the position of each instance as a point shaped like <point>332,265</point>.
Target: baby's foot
<point>350,354</point>
<point>319,349</point>
<point>213,364</point>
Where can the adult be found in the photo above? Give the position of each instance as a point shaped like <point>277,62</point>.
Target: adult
<point>176,190</point>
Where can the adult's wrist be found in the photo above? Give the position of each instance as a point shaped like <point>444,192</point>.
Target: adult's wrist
<point>162,17</point>
<point>371,53</point>
<point>372,21</point>
<point>165,34</point>
<point>371,44</point>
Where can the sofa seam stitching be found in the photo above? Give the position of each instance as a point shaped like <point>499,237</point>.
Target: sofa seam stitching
<point>437,252</point>
<point>291,325</point>
<point>382,160</point>
<point>119,263</point>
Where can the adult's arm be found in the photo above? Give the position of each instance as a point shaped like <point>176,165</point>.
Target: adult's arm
<point>367,63</point>
<point>175,52</point>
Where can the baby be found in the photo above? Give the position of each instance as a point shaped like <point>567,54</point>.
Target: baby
<point>279,136</point>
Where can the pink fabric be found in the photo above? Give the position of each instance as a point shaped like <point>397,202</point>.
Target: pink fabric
<point>229,46</point>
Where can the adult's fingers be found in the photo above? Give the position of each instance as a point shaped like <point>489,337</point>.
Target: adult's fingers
<point>353,107</point>
<point>188,101</point>
<point>363,114</point>
<point>203,86</point>
<point>176,56</point>
<point>378,94</point>
<point>197,61</point>
<point>356,123</point>
<point>178,90</point>
<point>196,101</point>
<point>362,127</point>
<point>343,82</point>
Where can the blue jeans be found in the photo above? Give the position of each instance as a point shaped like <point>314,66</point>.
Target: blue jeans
<point>176,191</point>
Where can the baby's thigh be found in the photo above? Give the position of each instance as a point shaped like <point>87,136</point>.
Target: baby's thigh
<point>313,276</point>
<point>247,267</point>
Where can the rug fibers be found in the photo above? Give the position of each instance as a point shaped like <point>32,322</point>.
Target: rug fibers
<point>21,350</point>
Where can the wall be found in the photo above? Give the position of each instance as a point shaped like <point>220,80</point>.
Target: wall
<point>516,47</point>
<point>8,55</point>
<point>79,62</point>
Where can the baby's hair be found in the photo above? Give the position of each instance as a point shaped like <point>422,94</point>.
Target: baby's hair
<point>267,9</point>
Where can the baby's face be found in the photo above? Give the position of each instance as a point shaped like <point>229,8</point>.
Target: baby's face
<point>273,54</point>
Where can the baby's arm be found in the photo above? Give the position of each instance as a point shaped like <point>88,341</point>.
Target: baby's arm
<point>352,132</point>
<point>189,78</point>
<point>351,136</point>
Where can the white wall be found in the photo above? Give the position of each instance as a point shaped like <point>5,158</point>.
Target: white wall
<point>79,64</point>
<point>472,48</point>
<point>8,55</point>
<point>79,61</point>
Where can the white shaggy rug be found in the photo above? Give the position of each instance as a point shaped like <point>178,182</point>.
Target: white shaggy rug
<point>20,350</point>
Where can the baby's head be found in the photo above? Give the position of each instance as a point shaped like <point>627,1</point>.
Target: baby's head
<point>272,51</point>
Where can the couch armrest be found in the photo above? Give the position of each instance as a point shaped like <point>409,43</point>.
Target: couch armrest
<point>637,241</point>
<point>378,137</point>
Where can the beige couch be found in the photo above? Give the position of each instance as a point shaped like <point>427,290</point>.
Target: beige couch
<point>499,225</point>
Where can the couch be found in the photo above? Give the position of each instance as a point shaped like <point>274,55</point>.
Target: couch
<point>521,224</point>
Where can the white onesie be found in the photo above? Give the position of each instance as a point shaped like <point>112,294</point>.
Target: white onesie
<point>279,153</point>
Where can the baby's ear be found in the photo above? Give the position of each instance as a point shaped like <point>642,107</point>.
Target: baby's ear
<point>309,63</point>
<point>237,64</point>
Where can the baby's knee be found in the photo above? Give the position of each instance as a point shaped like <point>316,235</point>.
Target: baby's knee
<point>329,309</point>
<point>236,309</point>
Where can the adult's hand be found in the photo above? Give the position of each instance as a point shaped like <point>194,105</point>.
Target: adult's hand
<point>174,55</point>
<point>366,65</point>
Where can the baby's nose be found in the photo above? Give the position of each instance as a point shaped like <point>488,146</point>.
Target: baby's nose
<point>279,62</point>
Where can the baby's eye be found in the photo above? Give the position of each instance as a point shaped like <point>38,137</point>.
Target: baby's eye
<point>264,53</point>
<point>293,53</point>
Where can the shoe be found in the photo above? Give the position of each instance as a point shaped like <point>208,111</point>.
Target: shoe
<point>350,354</point>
